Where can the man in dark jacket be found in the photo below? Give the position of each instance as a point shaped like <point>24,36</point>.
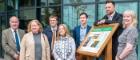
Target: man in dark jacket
<point>81,31</point>
<point>51,30</point>
<point>112,17</point>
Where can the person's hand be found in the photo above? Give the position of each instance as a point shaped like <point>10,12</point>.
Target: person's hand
<point>101,22</point>
<point>117,58</point>
<point>16,56</point>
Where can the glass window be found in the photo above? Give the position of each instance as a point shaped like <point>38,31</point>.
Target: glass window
<point>139,16</point>
<point>4,18</point>
<point>27,14</point>
<point>46,12</point>
<point>120,7</point>
<point>12,13</point>
<point>26,3</point>
<point>101,11</point>
<point>3,25</point>
<point>71,15</point>
<point>3,22</point>
<point>118,0</point>
<point>44,3</point>
<point>11,5</point>
<point>54,2</point>
<point>2,5</point>
<point>139,35</point>
<point>77,1</point>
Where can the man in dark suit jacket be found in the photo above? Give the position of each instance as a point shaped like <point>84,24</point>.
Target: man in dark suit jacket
<point>51,31</point>
<point>52,28</point>
<point>11,39</point>
<point>81,31</point>
<point>112,17</point>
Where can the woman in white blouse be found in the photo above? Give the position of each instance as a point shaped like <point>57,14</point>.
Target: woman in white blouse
<point>64,46</point>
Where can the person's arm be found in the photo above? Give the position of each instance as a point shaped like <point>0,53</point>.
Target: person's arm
<point>131,41</point>
<point>100,21</point>
<point>72,56</point>
<point>96,22</point>
<point>127,50</point>
<point>6,46</point>
<point>119,20</point>
<point>23,48</point>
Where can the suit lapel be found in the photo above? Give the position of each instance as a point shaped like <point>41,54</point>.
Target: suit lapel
<point>115,16</point>
<point>11,39</point>
<point>11,36</point>
<point>88,28</point>
<point>79,32</point>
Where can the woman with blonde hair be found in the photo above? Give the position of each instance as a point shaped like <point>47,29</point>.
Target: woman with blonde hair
<point>128,38</point>
<point>64,46</point>
<point>34,45</point>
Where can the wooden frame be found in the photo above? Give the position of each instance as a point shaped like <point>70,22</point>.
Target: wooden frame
<point>107,42</point>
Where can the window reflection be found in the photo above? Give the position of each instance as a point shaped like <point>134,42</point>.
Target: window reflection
<point>27,3</point>
<point>71,14</point>
<point>44,2</point>
<point>77,1</point>
<point>118,0</point>
<point>2,5</point>
<point>54,2</point>
<point>120,7</point>
<point>46,12</point>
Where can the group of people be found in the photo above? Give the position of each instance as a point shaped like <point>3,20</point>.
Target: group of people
<point>56,43</point>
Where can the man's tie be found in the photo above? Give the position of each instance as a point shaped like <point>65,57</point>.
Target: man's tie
<point>53,39</point>
<point>17,41</point>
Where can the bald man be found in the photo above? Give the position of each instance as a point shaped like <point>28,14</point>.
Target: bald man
<point>11,39</point>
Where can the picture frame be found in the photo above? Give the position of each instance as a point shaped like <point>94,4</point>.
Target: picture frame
<point>97,39</point>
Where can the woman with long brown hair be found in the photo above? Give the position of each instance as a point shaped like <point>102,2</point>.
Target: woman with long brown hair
<point>64,46</point>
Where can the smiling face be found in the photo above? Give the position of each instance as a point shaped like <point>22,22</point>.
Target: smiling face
<point>83,19</point>
<point>14,23</point>
<point>110,8</point>
<point>62,30</point>
<point>35,27</point>
<point>127,19</point>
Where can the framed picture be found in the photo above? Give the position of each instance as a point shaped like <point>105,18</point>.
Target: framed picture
<point>96,39</point>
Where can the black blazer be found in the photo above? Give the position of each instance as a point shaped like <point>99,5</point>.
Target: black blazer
<point>117,18</point>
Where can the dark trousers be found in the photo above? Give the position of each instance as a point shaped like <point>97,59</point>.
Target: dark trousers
<point>114,48</point>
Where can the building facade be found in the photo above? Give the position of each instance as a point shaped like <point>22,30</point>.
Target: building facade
<point>67,10</point>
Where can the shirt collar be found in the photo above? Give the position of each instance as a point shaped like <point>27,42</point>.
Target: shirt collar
<point>63,38</point>
<point>112,14</point>
<point>13,30</point>
<point>83,27</point>
<point>54,28</point>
